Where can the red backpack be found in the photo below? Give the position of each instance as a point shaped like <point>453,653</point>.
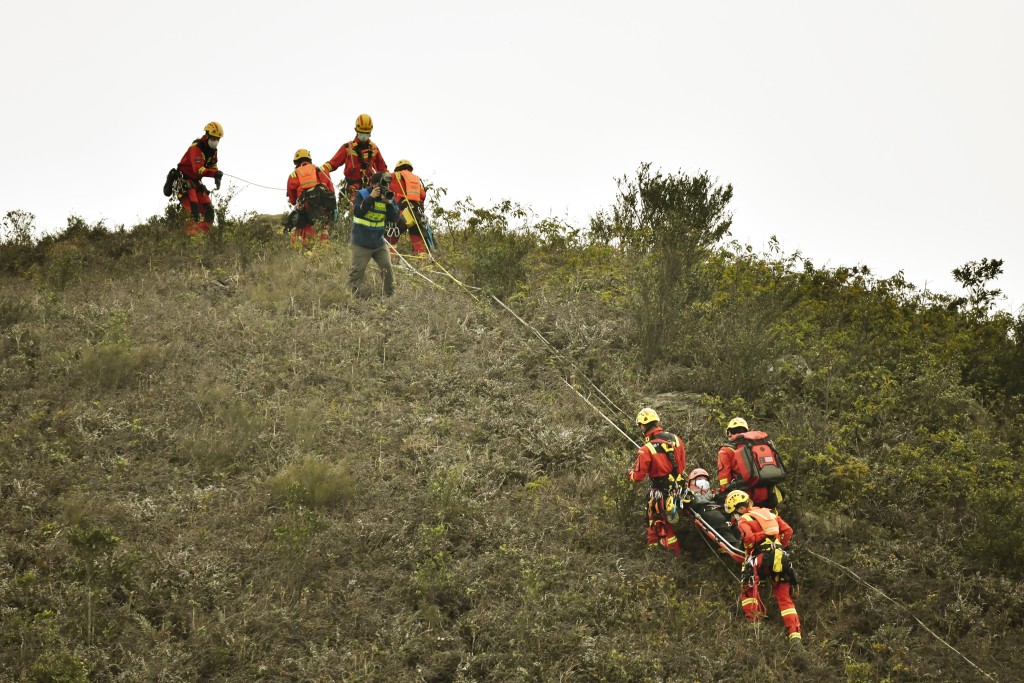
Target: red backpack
<point>759,461</point>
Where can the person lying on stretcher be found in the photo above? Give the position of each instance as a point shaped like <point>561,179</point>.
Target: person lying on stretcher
<point>699,498</point>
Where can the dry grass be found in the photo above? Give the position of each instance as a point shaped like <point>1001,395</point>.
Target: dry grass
<point>305,486</point>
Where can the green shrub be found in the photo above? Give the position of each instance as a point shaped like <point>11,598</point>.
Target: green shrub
<point>64,264</point>
<point>314,482</point>
<point>58,667</point>
<point>113,366</point>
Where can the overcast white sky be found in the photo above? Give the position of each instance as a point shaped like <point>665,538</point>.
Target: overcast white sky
<point>888,133</point>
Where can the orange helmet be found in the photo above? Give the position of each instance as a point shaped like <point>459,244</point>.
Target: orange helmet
<point>698,472</point>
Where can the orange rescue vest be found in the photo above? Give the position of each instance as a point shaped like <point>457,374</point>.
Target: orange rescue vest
<point>307,177</point>
<point>766,518</point>
<point>411,185</point>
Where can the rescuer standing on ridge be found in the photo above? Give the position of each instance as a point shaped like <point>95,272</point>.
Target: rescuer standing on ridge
<point>359,157</point>
<point>200,161</point>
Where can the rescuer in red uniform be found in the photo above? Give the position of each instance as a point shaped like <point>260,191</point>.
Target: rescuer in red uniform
<point>663,459</point>
<point>765,537</point>
<point>200,161</point>
<point>360,158</point>
<point>311,192</point>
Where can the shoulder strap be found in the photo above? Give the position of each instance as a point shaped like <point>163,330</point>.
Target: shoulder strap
<point>667,444</point>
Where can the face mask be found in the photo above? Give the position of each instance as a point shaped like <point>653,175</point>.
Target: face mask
<point>702,485</point>
<point>362,137</point>
<point>212,142</point>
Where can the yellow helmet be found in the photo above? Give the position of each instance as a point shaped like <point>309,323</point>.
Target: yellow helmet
<point>303,154</point>
<point>403,162</point>
<point>364,124</point>
<point>645,417</point>
<point>735,499</point>
<point>738,422</point>
<point>214,130</point>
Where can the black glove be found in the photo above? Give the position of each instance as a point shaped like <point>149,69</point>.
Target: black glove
<point>217,175</point>
<point>747,573</point>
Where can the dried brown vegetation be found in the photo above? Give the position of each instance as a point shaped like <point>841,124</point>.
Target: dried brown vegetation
<point>218,465</point>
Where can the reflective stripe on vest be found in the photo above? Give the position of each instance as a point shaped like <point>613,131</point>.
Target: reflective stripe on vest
<point>411,185</point>
<point>768,521</point>
<point>374,218</point>
<point>307,177</point>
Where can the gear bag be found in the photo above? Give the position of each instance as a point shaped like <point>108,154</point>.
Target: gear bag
<point>316,205</point>
<point>172,179</point>
<point>760,460</point>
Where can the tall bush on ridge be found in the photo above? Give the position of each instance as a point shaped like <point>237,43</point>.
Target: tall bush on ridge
<point>496,251</point>
<point>17,230</point>
<point>669,224</point>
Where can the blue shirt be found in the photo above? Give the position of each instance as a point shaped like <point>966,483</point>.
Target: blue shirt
<point>369,219</point>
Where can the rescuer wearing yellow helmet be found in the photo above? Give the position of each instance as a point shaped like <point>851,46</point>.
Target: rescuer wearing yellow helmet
<point>410,193</point>
<point>663,459</point>
<point>765,537</point>
<point>737,469</point>
<point>311,192</point>
<point>199,161</point>
<point>359,157</point>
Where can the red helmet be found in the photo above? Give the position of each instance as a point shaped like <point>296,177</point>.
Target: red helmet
<point>698,472</point>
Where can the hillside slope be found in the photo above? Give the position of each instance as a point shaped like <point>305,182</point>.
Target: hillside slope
<point>219,465</point>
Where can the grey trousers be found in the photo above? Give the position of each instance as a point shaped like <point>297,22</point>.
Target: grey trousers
<point>361,258</point>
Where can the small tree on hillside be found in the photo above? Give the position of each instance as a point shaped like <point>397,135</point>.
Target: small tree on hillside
<point>17,228</point>
<point>974,276</point>
<point>669,222</point>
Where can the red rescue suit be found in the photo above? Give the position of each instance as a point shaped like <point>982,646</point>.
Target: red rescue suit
<point>360,161</point>
<point>652,461</point>
<point>304,177</point>
<point>409,195</point>
<point>765,535</point>
<point>731,467</point>
<point>199,161</point>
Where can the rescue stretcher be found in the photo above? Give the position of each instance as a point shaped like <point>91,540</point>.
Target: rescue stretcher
<point>729,546</point>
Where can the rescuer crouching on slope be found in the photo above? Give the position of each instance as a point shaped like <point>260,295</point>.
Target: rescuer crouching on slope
<point>311,192</point>
<point>663,459</point>
<point>200,161</point>
<point>765,536</point>
<point>372,211</point>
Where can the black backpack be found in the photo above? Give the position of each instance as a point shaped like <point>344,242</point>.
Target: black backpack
<point>172,178</point>
<point>318,204</point>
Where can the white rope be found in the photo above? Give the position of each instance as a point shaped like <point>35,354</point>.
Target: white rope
<point>412,268</point>
<point>606,418</point>
<point>249,182</point>
<point>563,359</point>
<point>912,615</point>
